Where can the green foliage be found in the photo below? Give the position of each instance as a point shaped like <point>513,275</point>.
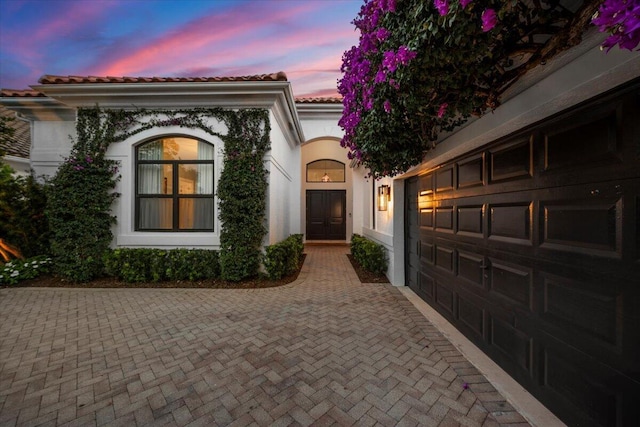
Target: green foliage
<point>370,255</point>
<point>79,201</point>
<point>192,264</point>
<point>18,270</point>
<point>135,265</point>
<point>242,193</point>
<point>82,191</point>
<point>284,257</point>
<point>156,265</point>
<point>459,71</point>
<point>22,206</point>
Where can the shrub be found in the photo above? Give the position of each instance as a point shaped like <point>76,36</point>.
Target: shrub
<point>18,270</point>
<point>192,264</point>
<point>284,258</point>
<point>156,265</point>
<point>79,201</point>
<point>370,255</point>
<point>242,190</point>
<point>22,220</point>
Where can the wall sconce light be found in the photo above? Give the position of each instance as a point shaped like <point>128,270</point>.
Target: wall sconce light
<point>384,195</point>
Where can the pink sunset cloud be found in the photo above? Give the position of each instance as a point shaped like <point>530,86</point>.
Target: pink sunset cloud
<point>303,38</point>
<point>189,42</point>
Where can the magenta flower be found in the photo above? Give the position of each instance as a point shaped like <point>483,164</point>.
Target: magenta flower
<point>389,61</point>
<point>387,106</point>
<point>442,6</point>
<point>442,110</point>
<point>382,34</point>
<point>621,19</point>
<point>405,55</point>
<point>489,20</point>
<point>464,3</point>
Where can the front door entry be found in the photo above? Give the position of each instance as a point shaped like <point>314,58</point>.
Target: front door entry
<point>326,215</point>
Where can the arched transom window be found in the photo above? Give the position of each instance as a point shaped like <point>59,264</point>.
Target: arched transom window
<point>325,171</point>
<point>174,185</point>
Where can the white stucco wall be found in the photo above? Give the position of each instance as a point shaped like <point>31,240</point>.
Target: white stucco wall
<point>51,144</point>
<point>20,165</point>
<point>283,201</point>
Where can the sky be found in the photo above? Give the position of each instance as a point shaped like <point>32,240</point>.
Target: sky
<point>177,38</point>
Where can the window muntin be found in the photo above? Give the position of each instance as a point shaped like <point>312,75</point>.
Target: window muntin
<point>175,185</point>
<point>325,171</point>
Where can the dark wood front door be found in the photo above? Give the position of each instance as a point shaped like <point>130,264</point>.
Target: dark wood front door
<point>326,215</point>
<point>531,247</point>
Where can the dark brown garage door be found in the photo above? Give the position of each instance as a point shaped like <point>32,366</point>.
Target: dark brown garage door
<point>531,247</point>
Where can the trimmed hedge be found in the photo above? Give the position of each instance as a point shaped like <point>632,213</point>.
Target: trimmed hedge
<point>370,255</point>
<point>156,265</point>
<point>283,258</point>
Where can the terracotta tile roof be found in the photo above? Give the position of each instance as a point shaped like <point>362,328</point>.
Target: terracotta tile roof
<point>319,100</point>
<point>20,143</point>
<point>51,79</point>
<point>13,93</point>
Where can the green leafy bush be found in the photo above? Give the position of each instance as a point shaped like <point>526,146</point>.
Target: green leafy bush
<point>79,201</point>
<point>23,223</point>
<point>156,265</point>
<point>284,258</point>
<point>242,192</point>
<point>370,255</point>
<point>18,270</point>
<point>192,264</point>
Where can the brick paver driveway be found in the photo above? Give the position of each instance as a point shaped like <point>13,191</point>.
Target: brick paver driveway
<point>325,350</point>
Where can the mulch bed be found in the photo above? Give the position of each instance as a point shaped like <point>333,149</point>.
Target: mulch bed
<point>367,276</point>
<point>48,281</point>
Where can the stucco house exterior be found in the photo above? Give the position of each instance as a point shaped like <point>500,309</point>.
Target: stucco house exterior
<point>304,147</point>
<point>521,227</point>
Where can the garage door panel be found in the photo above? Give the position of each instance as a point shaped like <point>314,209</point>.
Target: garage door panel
<point>592,227</point>
<point>444,180</point>
<point>472,269</point>
<point>511,281</point>
<point>470,220</point>
<point>511,221</point>
<point>589,313</point>
<point>426,218</point>
<point>514,346</point>
<point>427,286</point>
<point>471,172</point>
<point>444,219</point>
<point>596,395</point>
<point>445,258</point>
<point>427,252</point>
<point>472,314</point>
<point>531,247</point>
<point>588,140</point>
<point>444,298</point>
<point>513,161</point>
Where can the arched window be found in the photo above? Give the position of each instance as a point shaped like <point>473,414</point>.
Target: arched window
<point>174,185</point>
<point>325,171</point>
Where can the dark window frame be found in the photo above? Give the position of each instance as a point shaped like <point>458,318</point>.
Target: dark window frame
<point>175,196</point>
<point>344,170</point>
